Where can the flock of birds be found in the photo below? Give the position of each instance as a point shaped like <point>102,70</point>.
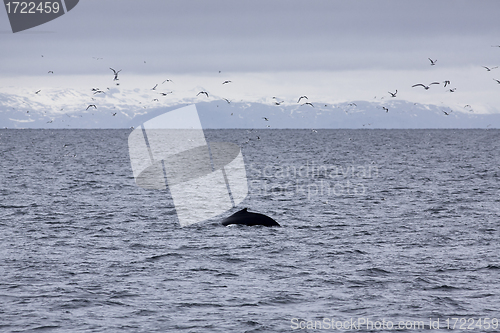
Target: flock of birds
<point>445,84</point>
<point>116,78</point>
<point>394,94</point>
<point>304,99</point>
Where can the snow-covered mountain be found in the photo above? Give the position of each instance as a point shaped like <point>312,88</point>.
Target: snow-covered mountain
<point>118,108</point>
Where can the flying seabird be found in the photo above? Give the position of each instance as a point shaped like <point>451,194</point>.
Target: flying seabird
<point>50,72</point>
<point>301,98</point>
<point>468,108</point>
<point>425,87</point>
<point>114,114</point>
<point>353,104</point>
<point>446,113</point>
<point>265,118</point>
<point>227,81</point>
<point>91,106</point>
<point>489,68</point>
<point>154,88</point>
<point>155,100</point>
<point>452,90</point>
<point>165,94</point>
<point>386,109</point>
<point>307,103</point>
<point>393,94</point>
<point>116,73</point>
<point>36,92</point>
<point>498,81</point>
<point>228,102</point>
<point>202,92</point>
<point>446,83</point>
<point>99,92</point>
<point>167,80</point>
<point>433,62</point>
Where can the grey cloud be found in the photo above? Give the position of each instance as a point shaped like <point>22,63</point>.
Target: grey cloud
<point>191,36</point>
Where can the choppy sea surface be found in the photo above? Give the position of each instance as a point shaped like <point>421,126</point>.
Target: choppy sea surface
<point>399,226</point>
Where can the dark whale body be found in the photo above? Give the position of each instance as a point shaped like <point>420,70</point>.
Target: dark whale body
<point>246,218</point>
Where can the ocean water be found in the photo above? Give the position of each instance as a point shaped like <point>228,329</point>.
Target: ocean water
<point>378,226</point>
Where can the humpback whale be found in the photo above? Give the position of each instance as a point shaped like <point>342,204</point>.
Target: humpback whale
<point>244,217</point>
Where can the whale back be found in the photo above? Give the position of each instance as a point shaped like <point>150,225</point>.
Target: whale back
<point>244,217</point>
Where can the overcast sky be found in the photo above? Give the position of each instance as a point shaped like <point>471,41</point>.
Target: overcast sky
<point>332,50</point>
